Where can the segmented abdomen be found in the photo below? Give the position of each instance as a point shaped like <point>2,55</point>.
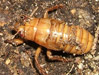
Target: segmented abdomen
<point>56,35</point>
<point>71,39</point>
<point>79,40</point>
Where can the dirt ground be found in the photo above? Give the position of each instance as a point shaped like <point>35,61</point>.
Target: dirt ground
<point>18,60</point>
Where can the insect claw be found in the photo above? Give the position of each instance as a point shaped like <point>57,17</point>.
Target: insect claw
<point>10,42</point>
<point>14,42</point>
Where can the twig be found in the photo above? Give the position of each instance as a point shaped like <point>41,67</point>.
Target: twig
<point>95,39</point>
<point>70,69</point>
<point>33,11</point>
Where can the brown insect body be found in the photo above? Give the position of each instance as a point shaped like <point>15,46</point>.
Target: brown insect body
<point>56,35</point>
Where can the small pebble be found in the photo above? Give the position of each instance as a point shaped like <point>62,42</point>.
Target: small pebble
<point>73,11</point>
<point>80,66</point>
<point>7,61</point>
<point>1,34</point>
<point>96,58</point>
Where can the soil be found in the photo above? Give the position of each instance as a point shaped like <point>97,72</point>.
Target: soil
<point>19,60</point>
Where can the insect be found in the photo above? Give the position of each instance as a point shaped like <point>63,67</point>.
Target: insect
<point>55,35</point>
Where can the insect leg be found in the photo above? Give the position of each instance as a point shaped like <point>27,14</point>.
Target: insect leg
<point>15,42</point>
<point>59,58</point>
<point>51,9</point>
<point>38,51</point>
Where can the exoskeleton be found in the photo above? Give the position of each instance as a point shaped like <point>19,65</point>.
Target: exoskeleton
<point>55,35</point>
